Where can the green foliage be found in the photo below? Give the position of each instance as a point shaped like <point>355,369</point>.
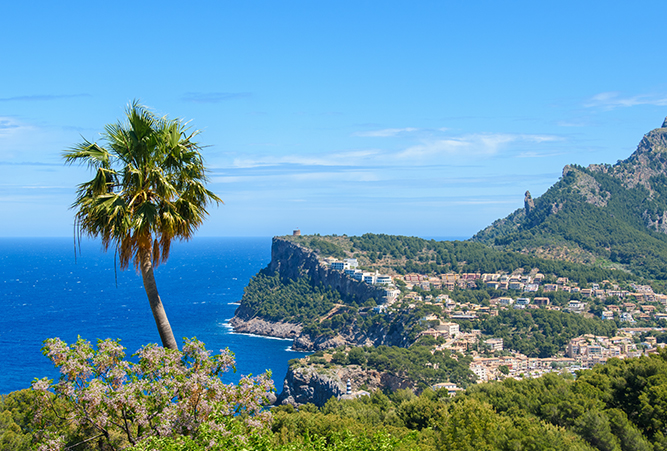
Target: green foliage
<point>416,255</point>
<point>428,422</point>
<point>300,301</point>
<point>339,358</point>
<point>356,356</point>
<point>18,411</point>
<point>618,406</point>
<point>325,246</point>
<point>417,364</point>
<point>615,232</point>
<point>541,333</point>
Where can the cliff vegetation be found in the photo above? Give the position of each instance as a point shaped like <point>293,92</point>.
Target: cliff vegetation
<point>614,215</point>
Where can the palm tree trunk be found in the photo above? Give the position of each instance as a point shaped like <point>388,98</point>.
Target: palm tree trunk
<point>163,327</point>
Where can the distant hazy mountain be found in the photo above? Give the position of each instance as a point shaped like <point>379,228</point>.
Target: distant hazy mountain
<point>613,215</point>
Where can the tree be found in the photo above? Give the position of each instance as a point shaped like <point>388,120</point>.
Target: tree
<point>166,393</point>
<point>148,189</point>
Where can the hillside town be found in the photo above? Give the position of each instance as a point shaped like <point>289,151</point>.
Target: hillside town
<point>491,361</point>
<point>639,304</point>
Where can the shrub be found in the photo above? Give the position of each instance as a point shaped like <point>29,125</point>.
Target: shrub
<point>166,394</point>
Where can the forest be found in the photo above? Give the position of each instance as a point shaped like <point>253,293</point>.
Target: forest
<point>419,364</point>
<point>417,255</point>
<point>620,406</point>
<point>614,231</point>
<point>299,300</point>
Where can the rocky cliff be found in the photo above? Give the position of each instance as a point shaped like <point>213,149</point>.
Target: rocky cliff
<point>259,326</point>
<point>292,261</point>
<point>316,384</point>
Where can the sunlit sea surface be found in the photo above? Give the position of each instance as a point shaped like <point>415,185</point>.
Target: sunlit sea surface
<point>46,292</point>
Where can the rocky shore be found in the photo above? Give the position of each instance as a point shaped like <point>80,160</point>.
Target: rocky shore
<point>258,326</point>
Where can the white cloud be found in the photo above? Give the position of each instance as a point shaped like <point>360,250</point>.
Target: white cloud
<point>10,126</point>
<point>307,177</point>
<point>475,144</point>
<point>484,145</point>
<point>611,100</point>
<point>16,136</point>
<point>386,133</point>
<point>571,124</point>
<point>335,159</point>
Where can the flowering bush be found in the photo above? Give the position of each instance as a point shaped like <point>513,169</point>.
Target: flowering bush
<point>167,393</point>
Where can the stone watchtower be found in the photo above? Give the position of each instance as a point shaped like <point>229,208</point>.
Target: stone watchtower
<point>297,232</point>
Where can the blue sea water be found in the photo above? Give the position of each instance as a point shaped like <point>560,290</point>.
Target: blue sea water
<point>46,292</point>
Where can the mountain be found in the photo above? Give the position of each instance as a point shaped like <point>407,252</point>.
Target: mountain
<point>612,215</point>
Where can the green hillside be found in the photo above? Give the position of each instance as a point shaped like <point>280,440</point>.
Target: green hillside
<point>615,215</point>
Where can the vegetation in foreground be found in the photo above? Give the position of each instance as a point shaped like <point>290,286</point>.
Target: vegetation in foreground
<point>620,406</point>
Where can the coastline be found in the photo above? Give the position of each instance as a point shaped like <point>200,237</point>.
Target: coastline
<point>264,328</point>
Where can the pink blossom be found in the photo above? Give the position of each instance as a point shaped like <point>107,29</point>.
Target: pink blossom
<point>165,393</point>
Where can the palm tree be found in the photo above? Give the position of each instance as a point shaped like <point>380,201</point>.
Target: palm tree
<point>148,189</point>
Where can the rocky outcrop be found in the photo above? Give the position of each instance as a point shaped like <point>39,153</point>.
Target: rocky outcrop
<point>316,384</point>
<point>648,161</point>
<point>304,385</point>
<point>292,261</point>
<point>528,203</point>
<point>590,189</point>
<point>259,326</point>
<point>656,221</point>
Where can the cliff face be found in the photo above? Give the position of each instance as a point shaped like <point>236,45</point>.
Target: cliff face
<point>305,385</point>
<point>316,385</point>
<point>292,261</point>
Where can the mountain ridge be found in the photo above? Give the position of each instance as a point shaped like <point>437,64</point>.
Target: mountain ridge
<point>613,215</point>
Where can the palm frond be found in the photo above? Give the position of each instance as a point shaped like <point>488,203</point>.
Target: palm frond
<point>148,187</point>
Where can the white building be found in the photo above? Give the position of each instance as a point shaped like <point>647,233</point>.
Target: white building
<point>383,279</point>
<point>352,263</point>
<point>480,372</point>
<point>451,329</point>
<point>358,275</point>
<point>392,295</point>
<point>338,265</point>
<point>495,344</point>
<point>505,301</point>
<point>345,265</point>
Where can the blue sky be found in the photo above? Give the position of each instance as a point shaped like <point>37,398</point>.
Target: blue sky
<point>414,118</point>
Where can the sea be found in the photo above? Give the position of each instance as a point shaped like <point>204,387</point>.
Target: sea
<point>52,288</point>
